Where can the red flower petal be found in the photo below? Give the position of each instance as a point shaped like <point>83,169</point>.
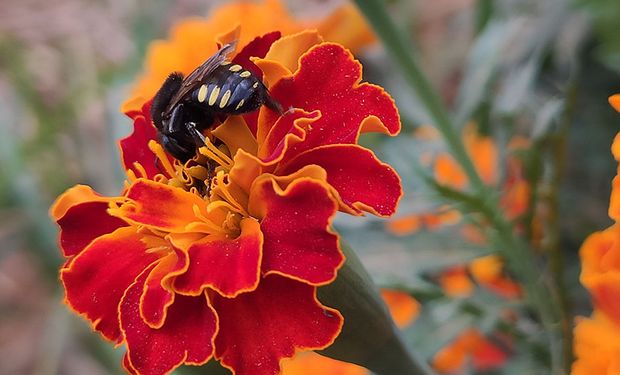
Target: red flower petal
<point>296,225</point>
<point>96,279</point>
<point>227,266</point>
<point>362,181</point>
<point>259,328</point>
<point>127,365</point>
<point>287,131</point>
<point>134,148</point>
<point>328,80</point>
<point>186,336</point>
<point>256,48</point>
<point>159,206</point>
<point>84,222</point>
<point>488,356</point>
<point>158,295</point>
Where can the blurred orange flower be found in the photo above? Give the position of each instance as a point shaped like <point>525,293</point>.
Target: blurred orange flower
<point>312,363</point>
<point>485,156</point>
<point>597,339</point>
<point>471,345</point>
<point>596,346</point>
<point>408,224</point>
<point>455,282</point>
<point>614,100</point>
<point>403,308</point>
<point>600,274</point>
<point>487,271</point>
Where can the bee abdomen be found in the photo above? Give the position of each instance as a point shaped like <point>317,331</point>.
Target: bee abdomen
<point>230,89</point>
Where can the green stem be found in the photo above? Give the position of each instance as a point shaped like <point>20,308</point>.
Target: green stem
<point>484,11</point>
<point>369,337</point>
<point>552,228</point>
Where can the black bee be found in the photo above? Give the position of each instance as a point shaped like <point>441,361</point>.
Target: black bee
<point>184,107</point>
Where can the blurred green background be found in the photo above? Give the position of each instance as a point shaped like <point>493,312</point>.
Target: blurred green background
<point>543,69</point>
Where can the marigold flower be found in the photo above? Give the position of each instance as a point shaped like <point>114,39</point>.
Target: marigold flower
<point>403,308</point>
<point>485,156</point>
<point>487,271</point>
<point>600,273</point>
<point>312,363</point>
<point>597,339</point>
<point>221,257</point>
<point>485,354</point>
<point>614,100</point>
<point>596,346</point>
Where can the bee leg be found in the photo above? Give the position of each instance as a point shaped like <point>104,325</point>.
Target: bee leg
<point>272,104</point>
<point>196,134</point>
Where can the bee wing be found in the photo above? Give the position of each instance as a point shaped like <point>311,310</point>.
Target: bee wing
<point>199,75</point>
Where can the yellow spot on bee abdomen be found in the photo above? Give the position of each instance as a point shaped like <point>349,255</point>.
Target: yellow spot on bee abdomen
<point>225,98</point>
<point>225,63</point>
<point>240,104</point>
<point>245,74</point>
<point>202,93</point>
<point>235,68</point>
<point>214,94</point>
<point>255,85</point>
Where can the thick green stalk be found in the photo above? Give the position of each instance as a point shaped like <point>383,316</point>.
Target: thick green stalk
<point>369,337</point>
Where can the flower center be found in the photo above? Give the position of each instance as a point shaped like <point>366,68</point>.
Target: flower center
<point>206,175</point>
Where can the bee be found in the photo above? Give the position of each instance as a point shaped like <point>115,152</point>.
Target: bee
<point>184,108</point>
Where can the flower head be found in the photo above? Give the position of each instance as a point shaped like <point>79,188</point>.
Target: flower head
<point>485,353</point>
<point>596,338</point>
<point>221,256</point>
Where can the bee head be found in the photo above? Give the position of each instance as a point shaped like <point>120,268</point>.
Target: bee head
<point>162,99</point>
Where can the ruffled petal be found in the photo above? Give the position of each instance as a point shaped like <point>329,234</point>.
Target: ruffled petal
<point>81,214</point>
<point>236,135</point>
<point>83,223</point>
<point>328,80</point>
<point>73,196</point>
<point>283,57</point>
<point>158,295</point>
<point>257,48</point>
<point>159,206</point>
<point>362,181</point>
<point>186,336</point>
<point>227,266</point>
<point>287,131</point>
<point>95,291</point>
<point>259,328</point>
<point>296,223</point>
<point>605,290</point>
<point>614,100</point>
<point>136,155</point>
